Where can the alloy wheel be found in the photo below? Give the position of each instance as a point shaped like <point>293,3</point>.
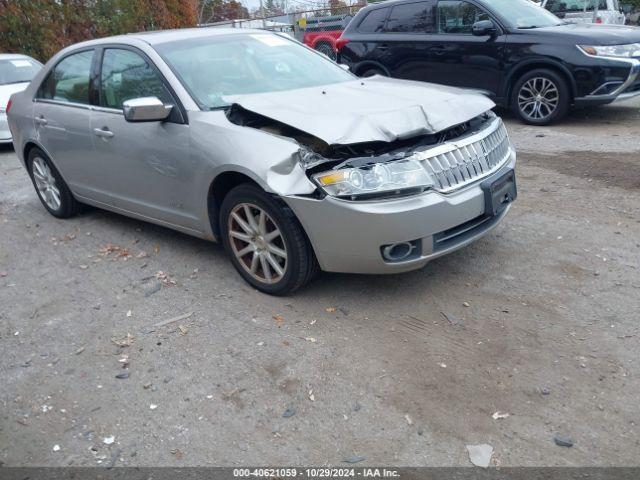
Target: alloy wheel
<point>538,98</point>
<point>257,243</point>
<point>46,183</point>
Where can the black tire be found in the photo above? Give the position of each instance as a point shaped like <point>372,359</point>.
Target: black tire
<point>554,105</point>
<point>301,265</point>
<point>68,206</point>
<point>371,71</point>
<point>327,49</point>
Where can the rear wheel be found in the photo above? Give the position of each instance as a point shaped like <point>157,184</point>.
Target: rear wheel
<point>51,188</point>
<point>265,241</point>
<point>540,97</point>
<point>327,50</point>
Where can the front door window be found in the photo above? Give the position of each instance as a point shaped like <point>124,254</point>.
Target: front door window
<point>125,76</point>
<point>457,17</point>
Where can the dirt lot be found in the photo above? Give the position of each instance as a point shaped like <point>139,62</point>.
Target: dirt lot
<point>538,320</point>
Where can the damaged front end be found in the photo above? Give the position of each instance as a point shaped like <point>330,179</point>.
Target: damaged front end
<point>442,161</point>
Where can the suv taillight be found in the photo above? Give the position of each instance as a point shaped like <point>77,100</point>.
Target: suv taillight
<point>8,106</point>
<point>341,42</point>
<point>599,20</point>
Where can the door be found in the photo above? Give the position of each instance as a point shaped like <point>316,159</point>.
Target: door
<point>402,44</point>
<point>62,115</point>
<point>145,166</point>
<point>457,57</point>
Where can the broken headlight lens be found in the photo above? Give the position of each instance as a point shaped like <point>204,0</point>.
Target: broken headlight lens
<point>623,51</point>
<point>375,180</point>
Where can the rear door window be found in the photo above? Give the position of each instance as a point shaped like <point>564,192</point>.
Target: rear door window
<point>411,18</point>
<point>374,21</point>
<point>457,16</point>
<point>69,79</point>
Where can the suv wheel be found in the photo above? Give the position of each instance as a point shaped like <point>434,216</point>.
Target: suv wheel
<point>540,97</point>
<point>51,188</point>
<point>371,71</point>
<point>265,241</point>
<point>327,50</point>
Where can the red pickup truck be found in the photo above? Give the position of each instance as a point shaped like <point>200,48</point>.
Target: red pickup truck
<point>321,33</point>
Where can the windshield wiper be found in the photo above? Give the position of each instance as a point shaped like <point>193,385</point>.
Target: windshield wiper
<point>529,27</point>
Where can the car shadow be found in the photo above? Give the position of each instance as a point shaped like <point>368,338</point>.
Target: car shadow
<point>6,147</point>
<point>211,256</point>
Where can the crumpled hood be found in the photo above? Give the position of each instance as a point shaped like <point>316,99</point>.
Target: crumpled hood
<point>7,90</point>
<point>366,110</point>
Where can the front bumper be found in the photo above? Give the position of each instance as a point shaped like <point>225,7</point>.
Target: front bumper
<point>347,236</point>
<point>615,90</point>
<point>5,133</point>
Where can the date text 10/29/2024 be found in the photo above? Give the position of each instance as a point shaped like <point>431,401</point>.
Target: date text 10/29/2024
<point>315,473</point>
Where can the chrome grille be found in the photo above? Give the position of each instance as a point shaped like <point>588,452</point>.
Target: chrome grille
<point>460,162</point>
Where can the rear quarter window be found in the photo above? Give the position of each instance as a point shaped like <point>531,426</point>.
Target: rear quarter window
<point>373,22</point>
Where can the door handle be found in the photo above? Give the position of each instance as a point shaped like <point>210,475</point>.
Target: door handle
<point>103,132</point>
<point>383,47</point>
<point>40,120</point>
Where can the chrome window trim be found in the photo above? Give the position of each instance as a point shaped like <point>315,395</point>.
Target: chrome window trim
<point>84,106</point>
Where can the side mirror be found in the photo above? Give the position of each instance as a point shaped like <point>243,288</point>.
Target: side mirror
<point>344,67</point>
<point>484,28</point>
<point>146,109</point>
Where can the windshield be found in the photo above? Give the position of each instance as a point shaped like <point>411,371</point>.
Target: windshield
<point>18,70</point>
<point>524,14</point>
<point>213,67</point>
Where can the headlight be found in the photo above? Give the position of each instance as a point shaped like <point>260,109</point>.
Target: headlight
<point>375,180</point>
<point>622,51</point>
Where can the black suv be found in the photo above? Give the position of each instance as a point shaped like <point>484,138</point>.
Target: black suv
<point>519,54</point>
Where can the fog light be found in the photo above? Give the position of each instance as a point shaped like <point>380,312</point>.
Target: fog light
<point>398,252</point>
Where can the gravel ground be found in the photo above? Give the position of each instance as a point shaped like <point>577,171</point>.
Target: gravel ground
<point>539,320</point>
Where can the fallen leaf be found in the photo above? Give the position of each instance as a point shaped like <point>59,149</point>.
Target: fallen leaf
<point>331,309</point>
<point>177,453</point>
<point>311,339</point>
<point>125,341</point>
<point>279,319</point>
<point>500,416</point>
<point>408,419</point>
<point>183,329</point>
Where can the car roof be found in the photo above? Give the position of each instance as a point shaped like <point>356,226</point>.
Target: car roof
<point>11,56</point>
<point>163,36</point>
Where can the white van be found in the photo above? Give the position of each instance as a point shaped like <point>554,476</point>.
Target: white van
<point>587,11</point>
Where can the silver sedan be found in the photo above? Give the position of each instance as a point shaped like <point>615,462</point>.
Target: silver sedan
<point>16,71</point>
<point>252,139</point>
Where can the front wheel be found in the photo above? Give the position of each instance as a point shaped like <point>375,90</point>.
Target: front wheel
<point>265,241</point>
<point>540,97</point>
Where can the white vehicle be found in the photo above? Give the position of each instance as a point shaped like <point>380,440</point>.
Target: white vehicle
<point>587,11</point>
<point>16,71</point>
